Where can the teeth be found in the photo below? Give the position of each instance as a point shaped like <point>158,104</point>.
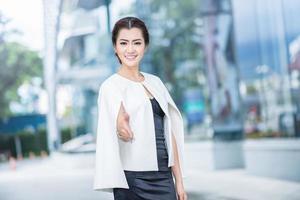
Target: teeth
<point>131,57</point>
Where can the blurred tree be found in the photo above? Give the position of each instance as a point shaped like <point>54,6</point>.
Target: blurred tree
<point>4,30</point>
<point>3,22</point>
<point>175,30</point>
<point>17,64</point>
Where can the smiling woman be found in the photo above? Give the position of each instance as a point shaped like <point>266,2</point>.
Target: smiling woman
<point>130,47</point>
<point>128,35</point>
<point>140,129</point>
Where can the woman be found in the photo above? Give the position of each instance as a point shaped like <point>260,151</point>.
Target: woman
<point>140,129</point>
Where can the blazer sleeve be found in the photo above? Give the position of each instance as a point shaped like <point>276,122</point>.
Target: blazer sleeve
<point>109,172</point>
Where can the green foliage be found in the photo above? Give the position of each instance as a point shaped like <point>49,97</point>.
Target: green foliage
<point>265,134</point>
<point>30,142</point>
<point>251,89</point>
<point>33,142</point>
<point>36,142</point>
<point>6,143</point>
<point>66,134</point>
<point>17,64</point>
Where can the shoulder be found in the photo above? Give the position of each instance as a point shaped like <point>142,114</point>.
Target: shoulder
<point>152,78</point>
<point>109,91</point>
<point>109,88</point>
<point>149,76</point>
<point>109,83</point>
<point>155,80</point>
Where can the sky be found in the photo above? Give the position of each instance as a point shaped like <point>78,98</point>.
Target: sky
<point>27,17</point>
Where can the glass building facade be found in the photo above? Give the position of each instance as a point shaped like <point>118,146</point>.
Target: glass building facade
<point>266,35</point>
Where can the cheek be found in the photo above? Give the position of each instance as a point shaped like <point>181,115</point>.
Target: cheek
<point>119,50</point>
<point>141,50</point>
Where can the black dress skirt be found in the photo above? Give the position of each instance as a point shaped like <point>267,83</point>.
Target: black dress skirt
<point>151,185</point>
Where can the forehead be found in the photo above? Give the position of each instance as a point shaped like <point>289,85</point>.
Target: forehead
<point>130,34</point>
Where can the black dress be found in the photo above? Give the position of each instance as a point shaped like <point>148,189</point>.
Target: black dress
<point>151,185</point>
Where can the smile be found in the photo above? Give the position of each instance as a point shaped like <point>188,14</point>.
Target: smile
<point>131,57</point>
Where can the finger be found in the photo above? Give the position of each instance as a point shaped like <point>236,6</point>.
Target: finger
<point>121,132</point>
<point>125,139</point>
<point>124,134</point>
<point>130,133</point>
<point>128,130</point>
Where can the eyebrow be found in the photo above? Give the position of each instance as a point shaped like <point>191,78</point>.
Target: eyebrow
<point>132,40</point>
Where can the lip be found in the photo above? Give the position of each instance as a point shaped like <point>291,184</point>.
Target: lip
<point>131,57</point>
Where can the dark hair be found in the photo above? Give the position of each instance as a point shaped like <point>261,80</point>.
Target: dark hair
<point>128,23</point>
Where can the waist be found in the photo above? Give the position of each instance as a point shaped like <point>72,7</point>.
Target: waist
<point>148,173</point>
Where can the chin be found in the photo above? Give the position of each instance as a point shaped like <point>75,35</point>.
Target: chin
<point>130,64</point>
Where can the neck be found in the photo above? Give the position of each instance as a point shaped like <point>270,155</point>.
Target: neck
<point>129,71</point>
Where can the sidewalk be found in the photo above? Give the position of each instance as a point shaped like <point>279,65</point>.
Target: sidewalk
<point>232,184</point>
<point>65,176</point>
<point>236,184</point>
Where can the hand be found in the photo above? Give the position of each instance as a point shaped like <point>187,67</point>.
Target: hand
<point>181,195</point>
<point>123,129</point>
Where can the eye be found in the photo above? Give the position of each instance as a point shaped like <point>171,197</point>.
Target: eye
<point>137,43</point>
<point>122,43</point>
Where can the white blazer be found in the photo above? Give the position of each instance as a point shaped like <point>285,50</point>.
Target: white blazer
<point>113,155</point>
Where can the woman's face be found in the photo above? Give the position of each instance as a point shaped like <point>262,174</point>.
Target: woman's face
<point>130,46</point>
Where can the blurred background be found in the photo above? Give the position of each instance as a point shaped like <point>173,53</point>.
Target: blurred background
<point>231,66</point>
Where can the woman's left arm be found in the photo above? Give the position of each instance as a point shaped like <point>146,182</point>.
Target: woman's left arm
<point>177,173</point>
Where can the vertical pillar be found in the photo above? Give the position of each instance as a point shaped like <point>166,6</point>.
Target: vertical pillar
<point>18,146</point>
<point>52,10</point>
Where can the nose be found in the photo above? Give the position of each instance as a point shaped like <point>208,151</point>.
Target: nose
<point>130,48</point>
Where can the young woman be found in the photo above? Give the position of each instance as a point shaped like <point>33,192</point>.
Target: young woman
<point>140,134</point>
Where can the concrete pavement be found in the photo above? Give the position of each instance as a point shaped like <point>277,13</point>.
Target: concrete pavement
<point>70,176</point>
